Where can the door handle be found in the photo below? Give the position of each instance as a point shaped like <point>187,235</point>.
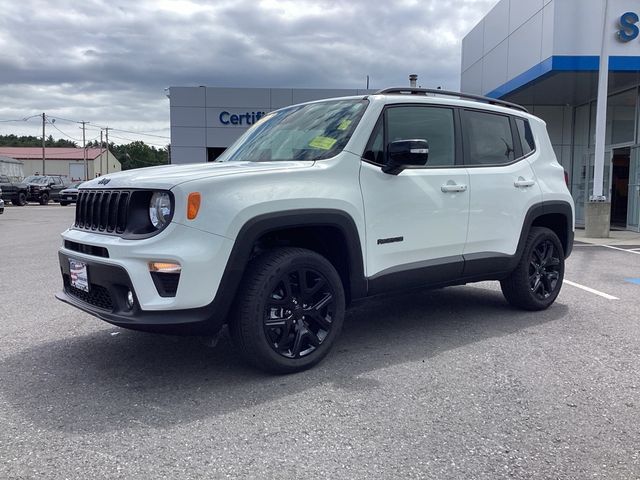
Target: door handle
<point>521,182</point>
<point>453,188</point>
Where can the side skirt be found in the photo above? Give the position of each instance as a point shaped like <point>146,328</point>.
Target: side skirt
<point>456,270</point>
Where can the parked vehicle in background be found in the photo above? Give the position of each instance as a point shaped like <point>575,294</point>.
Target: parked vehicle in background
<point>320,204</point>
<point>69,194</point>
<point>14,192</point>
<point>42,188</point>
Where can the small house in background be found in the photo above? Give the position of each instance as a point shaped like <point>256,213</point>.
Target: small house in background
<point>68,162</point>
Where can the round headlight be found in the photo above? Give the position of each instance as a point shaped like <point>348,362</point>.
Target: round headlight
<point>160,209</point>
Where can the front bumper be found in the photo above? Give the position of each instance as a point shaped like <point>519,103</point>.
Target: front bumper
<point>106,299</point>
<point>116,266</point>
<point>68,197</point>
<point>34,195</point>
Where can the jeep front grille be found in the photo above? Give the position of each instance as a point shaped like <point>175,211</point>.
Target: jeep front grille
<point>103,210</point>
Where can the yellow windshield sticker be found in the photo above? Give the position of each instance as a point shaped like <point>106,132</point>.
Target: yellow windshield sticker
<point>344,124</point>
<point>323,143</point>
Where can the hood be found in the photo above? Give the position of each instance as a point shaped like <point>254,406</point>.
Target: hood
<point>168,176</point>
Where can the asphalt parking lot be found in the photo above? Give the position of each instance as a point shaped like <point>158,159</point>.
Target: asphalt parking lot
<point>445,384</point>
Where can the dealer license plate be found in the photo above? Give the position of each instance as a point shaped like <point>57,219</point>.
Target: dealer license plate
<point>79,276</point>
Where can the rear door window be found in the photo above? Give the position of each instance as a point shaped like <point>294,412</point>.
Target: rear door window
<point>489,139</point>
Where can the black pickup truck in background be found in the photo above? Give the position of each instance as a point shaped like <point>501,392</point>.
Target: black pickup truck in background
<point>14,192</point>
<point>42,188</point>
<point>34,188</point>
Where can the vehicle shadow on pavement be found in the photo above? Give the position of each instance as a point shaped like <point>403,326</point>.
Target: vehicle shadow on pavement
<point>131,380</point>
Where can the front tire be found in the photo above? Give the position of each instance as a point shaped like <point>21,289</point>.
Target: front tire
<point>536,281</point>
<point>289,310</point>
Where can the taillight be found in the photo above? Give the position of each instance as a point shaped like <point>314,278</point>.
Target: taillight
<point>566,178</point>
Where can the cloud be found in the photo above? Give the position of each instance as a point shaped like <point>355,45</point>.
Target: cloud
<point>108,62</point>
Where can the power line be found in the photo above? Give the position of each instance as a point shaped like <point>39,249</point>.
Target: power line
<point>139,133</point>
<point>96,127</point>
<point>64,119</point>
<point>25,119</point>
<point>65,134</point>
<point>144,133</point>
<point>131,140</point>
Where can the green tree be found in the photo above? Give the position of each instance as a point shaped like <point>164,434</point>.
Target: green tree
<point>31,141</point>
<point>138,155</point>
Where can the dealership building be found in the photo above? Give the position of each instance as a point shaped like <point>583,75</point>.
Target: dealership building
<point>543,54</point>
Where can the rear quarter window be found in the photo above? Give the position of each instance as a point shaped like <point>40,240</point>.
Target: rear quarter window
<point>526,136</point>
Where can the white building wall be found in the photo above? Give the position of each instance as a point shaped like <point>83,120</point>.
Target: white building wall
<point>529,32</point>
<point>97,166</point>
<point>507,42</point>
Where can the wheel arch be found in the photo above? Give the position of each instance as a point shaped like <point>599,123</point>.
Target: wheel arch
<point>332,233</point>
<point>555,215</point>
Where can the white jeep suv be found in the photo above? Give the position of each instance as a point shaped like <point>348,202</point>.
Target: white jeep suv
<point>318,205</point>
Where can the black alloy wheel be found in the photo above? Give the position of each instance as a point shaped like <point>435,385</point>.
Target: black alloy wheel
<point>288,310</point>
<point>44,199</point>
<point>544,269</point>
<point>299,312</point>
<point>537,279</point>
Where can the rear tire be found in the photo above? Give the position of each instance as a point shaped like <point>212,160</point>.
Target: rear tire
<point>536,281</point>
<point>44,199</point>
<point>21,200</point>
<point>288,311</point>
<point>64,204</point>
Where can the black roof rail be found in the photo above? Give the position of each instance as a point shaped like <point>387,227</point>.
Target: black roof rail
<point>448,93</point>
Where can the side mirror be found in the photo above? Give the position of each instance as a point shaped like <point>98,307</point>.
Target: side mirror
<point>406,154</point>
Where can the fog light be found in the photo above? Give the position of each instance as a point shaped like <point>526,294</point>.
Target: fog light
<point>165,267</point>
<point>130,301</point>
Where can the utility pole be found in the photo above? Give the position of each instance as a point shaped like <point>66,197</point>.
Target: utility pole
<point>107,132</point>
<point>43,140</point>
<point>84,152</point>
<point>101,150</point>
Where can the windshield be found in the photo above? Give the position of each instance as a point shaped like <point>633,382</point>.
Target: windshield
<point>39,180</point>
<point>305,132</point>
<point>30,179</point>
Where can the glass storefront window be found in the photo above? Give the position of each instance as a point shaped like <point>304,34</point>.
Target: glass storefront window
<point>578,173</point>
<point>621,122</point>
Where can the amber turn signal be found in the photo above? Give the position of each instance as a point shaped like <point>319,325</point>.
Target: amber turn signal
<point>193,205</point>
<point>165,267</point>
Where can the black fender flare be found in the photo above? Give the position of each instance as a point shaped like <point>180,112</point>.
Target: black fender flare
<point>260,225</point>
<point>545,208</point>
